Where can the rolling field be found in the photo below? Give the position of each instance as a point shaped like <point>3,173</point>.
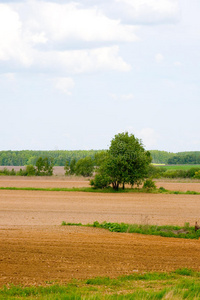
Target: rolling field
<point>36,249</point>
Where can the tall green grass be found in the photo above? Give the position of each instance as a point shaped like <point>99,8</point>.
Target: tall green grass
<point>179,284</point>
<point>186,232</point>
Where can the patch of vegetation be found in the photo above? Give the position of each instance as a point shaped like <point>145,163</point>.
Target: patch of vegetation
<point>125,162</point>
<point>174,171</point>
<point>179,284</point>
<point>185,232</point>
<point>161,190</point>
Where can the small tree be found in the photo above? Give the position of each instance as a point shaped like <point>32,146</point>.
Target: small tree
<point>85,167</point>
<point>67,168</point>
<point>149,185</point>
<point>44,166</point>
<point>30,170</point>
<point>72,167</point>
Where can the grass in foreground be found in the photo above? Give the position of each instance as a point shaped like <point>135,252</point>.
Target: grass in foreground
<point>180,284</point>
<point>161,190</point>
<point>186,232</point>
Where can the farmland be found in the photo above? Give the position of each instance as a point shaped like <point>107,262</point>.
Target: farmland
<point>36,249</point>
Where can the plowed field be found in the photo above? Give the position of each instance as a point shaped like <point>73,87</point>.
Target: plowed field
<point>35,249</point>
<point>39,255</point>
<point>74,181</point>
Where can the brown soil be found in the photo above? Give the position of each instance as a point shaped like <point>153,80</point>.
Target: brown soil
<point>44,182</point>
<point>35,249</point>
<point>51,208</point>
<point>39,255</point>
<point>74,181</point>
<point>179,186</point>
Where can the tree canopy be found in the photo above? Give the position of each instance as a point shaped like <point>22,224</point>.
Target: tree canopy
<point>126,161</point>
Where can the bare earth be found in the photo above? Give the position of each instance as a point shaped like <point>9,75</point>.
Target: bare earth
<point>35,249</point>
<point>74,181</point>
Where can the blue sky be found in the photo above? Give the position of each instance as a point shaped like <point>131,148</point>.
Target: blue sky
<point>75,73</point>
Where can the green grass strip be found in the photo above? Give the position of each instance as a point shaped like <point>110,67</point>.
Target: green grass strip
<point>179,284</point>
<point>186,232</point>
<point>107,190</point>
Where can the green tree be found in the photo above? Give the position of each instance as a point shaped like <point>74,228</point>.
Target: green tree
<point>72,167</point>
<point>39,166</point>
<point>44,166</point>
<point>67,168</point>
<point>85,167</point>
<point>30,170</point>
<point>126,161</point>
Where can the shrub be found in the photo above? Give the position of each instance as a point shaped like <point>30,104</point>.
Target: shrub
<point>100,181</point>
<point>155,171</point>
<point>149,184</point>
<point>85,167</point>
<point>30,170</point>
<point>12,172</point>
<point>21,172</point>
<point>197,175</point>
<point>192,172</point>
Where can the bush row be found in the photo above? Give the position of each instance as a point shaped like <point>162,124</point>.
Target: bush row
<point>158,172</point>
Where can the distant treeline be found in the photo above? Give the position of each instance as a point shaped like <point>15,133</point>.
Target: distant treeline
<point>180,158</point>
<point>29,157</point>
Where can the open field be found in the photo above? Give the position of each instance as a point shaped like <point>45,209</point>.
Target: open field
<point>51,208</point>
<point>74,181</point>
<point>35,249</point>
<point>42,254</point>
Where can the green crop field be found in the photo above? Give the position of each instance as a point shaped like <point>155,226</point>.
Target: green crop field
<point>177,167</point>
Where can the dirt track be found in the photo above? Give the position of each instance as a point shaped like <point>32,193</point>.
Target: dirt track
<point>35,249</point>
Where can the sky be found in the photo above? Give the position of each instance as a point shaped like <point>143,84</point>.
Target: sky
<point>73,74</point>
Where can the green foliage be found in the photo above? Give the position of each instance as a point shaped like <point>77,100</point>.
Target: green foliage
<point>72,167</point>
<point>29,157</point>
<point>84,167</point>
<point>30,170</point>
<point>185,272</point>
<point>63,223</point>
<point>100,181</point>
<point>100,157</point>
<point>67,168</point>
<point>44,166</point>
<point>161,157</point>
<point>155,171</point>
<point>179,284</point>
<point>185,232</point>
<point>176,171</point>
<point>185,158</point>
<point>149,184</point>
<point>197,175</point>
<point>126,161</point>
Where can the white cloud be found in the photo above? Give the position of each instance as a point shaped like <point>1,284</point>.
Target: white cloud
<point>64,84</point>
<point>25,26</point>
<point>123,97</point>
<point>11,40</point>
<point>80,61</point>
<point>150,11</point>
<point>159,57</point>
<point>58,22</point>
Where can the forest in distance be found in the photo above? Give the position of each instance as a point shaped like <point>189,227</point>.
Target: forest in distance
<point>29,157</point>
